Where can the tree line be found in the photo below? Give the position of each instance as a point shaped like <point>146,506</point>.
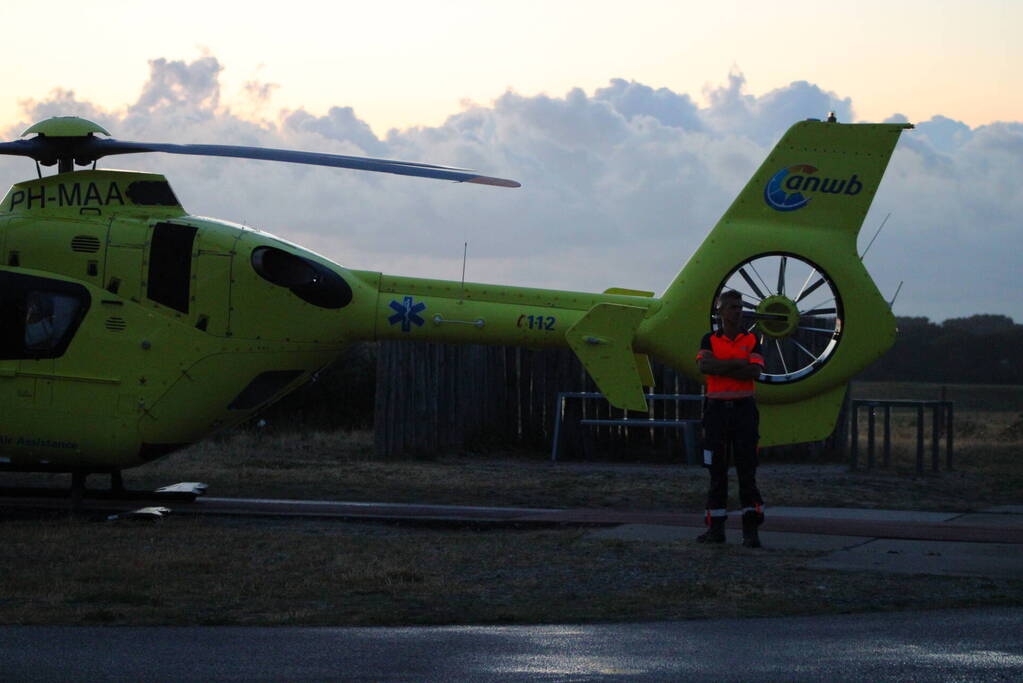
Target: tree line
<point>979,349</point>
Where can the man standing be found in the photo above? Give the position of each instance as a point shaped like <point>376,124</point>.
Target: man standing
<point>731,360</point>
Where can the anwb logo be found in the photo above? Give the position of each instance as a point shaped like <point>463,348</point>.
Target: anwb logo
<point>793,187</point>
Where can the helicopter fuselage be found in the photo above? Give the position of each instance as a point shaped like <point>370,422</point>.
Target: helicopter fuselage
<point>131,328</point>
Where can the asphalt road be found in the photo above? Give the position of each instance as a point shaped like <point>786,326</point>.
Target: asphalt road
<point>947,645</point>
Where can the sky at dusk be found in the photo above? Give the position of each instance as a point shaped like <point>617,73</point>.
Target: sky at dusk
<point>631,127</point>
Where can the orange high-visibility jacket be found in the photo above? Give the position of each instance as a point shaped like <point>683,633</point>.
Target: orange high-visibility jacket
<point>717,345</point>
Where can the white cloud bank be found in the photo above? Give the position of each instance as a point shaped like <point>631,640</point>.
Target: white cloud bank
<point>619,187</point>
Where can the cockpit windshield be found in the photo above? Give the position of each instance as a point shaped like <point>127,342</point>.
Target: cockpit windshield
<point>38,316</point>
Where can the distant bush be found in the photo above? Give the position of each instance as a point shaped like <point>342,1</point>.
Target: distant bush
<point>980,349</point>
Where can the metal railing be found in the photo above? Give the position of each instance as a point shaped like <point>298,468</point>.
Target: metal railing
<point>942,415</point>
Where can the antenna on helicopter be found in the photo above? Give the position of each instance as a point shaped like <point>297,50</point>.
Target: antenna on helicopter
<point>896,295</point>
<point>871,242</point>
<point>465,253</point>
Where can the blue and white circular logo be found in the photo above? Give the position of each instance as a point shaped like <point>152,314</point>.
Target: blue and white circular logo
<point>776,196</point>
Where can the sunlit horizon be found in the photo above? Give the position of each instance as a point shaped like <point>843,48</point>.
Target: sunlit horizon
<point>405,64</point>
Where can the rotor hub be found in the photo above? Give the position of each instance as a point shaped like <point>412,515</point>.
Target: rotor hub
<point>784,316</point>
<point>65,127</point>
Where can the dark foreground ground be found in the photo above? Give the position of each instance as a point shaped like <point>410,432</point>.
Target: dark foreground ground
<point>193,571</point>
<point>960,645</point>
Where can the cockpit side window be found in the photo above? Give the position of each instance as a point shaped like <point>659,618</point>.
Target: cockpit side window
<point>308,280</point>
<point>38,316</point>
<point>48,315</point>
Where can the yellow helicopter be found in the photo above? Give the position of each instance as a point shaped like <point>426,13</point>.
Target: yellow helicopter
<point>131,329</point>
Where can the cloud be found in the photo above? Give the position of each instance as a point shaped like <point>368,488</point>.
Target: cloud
<point>765,118</point>
<point>181,86</point>
<point>61,102</point>
<point>619,186</point>
<point>340,123</point>
<point>954,236</point>
<point>259,92</point>
<point>632,99</point>
<point>945,134</point>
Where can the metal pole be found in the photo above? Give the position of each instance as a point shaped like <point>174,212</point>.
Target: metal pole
<point>840,439</point>
<point>887,435</point>
<point>557,425</point>
<point>949,429</point>
<point>919,439</point>
<point>944,397</point>
<point>870,436</point>
<point>854,451</point>
<point>935,437</point>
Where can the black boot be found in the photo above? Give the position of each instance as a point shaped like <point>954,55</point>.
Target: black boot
<point>716,532</point>
<point>750,521</point>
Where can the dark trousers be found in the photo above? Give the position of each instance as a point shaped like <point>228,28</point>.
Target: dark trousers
<point>731,428</point>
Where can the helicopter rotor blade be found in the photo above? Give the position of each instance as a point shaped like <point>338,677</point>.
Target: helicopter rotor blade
<point>108,147</point>
<point>21,148</point>
<point>87,149</point>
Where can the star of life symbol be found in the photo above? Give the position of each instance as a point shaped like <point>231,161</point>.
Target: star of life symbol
<point>407,313</point>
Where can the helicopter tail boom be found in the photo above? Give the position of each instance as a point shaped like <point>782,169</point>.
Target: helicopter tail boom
<point>600,328</point>
<point>788,243</point>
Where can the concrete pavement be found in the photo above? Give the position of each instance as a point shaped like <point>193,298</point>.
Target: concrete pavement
<point>906,541</point>
<point>987,542</point>
<point>939,645</point>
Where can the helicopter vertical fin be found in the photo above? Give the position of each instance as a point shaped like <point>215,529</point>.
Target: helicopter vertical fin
<point>602,339</point>
<point>646,373</point>
<point>820,176</point>
<point>807,200</point>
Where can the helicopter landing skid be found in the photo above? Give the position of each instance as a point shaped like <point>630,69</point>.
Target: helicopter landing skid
<point>146,514</point>
<point>186,491</point>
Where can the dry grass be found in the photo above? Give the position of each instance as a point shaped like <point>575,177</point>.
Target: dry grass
<point>996,398</point>
<point>339,466</point>
<point>189,570</point>
<point>986,471</point>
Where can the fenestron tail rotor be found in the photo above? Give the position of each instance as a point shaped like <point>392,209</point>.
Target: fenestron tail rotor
<point>69,140</point>
<point>793,308</point>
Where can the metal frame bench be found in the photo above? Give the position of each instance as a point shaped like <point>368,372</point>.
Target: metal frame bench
<point>689,427</point>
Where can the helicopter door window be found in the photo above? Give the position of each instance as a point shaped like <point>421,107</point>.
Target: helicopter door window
<point>170,265</point>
